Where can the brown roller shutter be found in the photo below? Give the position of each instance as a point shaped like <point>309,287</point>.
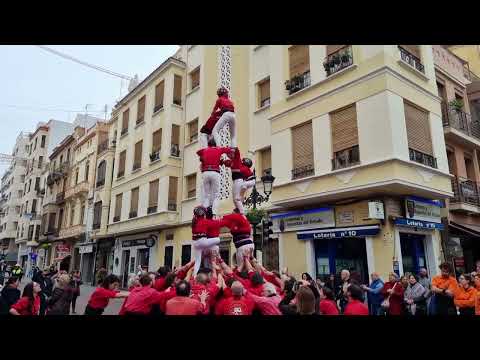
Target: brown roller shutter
<point>134,200</point>
<point>302,142</point>
<point>175,135</point>
<point>157,140</point>
<point>344,128</point>
<point>137,162</point>
<point>121,163</point>
<point>412,49</point>
<point>264,91</point>
<point>418,129</point>
<point>177,90</point>
<point>141,110</point>
<point>191,185</point>
<point>172,189</point>
<point>118,205</point>
<point>299,59</point>
<point>334,48</point>
<point>266,159</point>
<point>125,117</point>
<point>159,91</point>
<point>195,76</point>
<point>153,194</point>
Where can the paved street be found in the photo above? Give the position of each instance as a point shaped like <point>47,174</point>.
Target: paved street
<point>85,291</point>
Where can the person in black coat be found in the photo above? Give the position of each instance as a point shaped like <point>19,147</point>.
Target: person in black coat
<point>46,285</point>
<point>9,295</point>
<point>60,301</point>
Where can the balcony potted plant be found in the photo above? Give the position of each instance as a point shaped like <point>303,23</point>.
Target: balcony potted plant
<point>331,63</point>
<point>255,216</point>
<point>336,59</point>
<point>326,66</point>
<point>456,104</point>
<point>346,56</point>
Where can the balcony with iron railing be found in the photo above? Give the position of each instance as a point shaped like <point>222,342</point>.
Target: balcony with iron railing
<point>298,82</point>
<point>346,158</point>
<point>172,206</point>
<point>103,146</point>
<point>60,198</point>
<point>175,150</point>
<point>81,189</point>
<point>338,60</point>
<point>154,156</point>
<point>465,191</point>
<point>422,158</point>
<point>411,59</point>
<point>458,119</point>
<point>303,171</point>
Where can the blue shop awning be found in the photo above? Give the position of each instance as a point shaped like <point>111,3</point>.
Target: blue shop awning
<point>337,233</point>
<point>420,224</point>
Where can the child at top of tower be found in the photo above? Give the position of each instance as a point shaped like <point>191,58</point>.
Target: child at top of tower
<point>225,109</point>
<point>222,105</point>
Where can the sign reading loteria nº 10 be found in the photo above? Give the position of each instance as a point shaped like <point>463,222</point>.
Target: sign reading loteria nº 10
<point>304,219</point>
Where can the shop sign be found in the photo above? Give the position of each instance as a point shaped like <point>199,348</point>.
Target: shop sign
<point>303,220</point>
<point>337,233</point>
<point>422,209</point>
<point>346,217</point>
<point>62,251</point>
<point>459,262</point>
<point>148,242</point>
<point>375,210</point>
<point>86,249</point>
<point>418,224</point>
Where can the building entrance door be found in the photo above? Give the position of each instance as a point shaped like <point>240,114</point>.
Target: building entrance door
<point>413,252</point>
<point>125,267</point>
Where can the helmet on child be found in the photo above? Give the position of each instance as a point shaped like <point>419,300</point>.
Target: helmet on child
<point>199,211</point>
<point>222,91</point>
<point>247,162</point>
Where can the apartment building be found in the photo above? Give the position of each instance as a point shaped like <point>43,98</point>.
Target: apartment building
<point>353,135</point>
<point>462,138</point>
<point>11,194</point>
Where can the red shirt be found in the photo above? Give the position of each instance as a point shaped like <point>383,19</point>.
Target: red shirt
<point>182,305</point>
<point>100,297</point>
<point>141,299</point>
<point>266,305</point>
<point>355,307</point>
<point>24,308</point>
<point>236,306</point>
<point>328,307</point>
<point>210,124</point>
<point>212,290</point>
<point>210,157</point>
<point>159,284</point>
<point>223,103</point>
<point>199,227</point>
<point>236,161</point>
<point>214,226</point>
<point>246,172</point>
<point>238,224</point>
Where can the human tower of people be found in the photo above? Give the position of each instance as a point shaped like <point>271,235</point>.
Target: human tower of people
<point>207,285</point>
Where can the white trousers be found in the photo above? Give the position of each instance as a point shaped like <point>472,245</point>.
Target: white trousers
<point>243,250</point>
<point>239,188</point>
<point>228,117</point>
<point>201,245</point>
<point>211,190</point>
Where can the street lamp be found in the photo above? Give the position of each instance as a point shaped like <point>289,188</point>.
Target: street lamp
<point>257,198</point>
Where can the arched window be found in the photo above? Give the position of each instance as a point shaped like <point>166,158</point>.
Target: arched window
<point>102,167</point>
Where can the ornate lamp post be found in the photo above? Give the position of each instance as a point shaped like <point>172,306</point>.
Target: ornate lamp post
<point>257,198</point>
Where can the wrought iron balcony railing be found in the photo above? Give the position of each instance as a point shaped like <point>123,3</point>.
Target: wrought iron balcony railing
<point>152,209</point>
<point>460,120</point>
<point>338,60</point>
<point>465,191</point>
<point>298,82</point>
<point>172,207</point>
<point>423,158</point>
<point>411,59</point>
<point>346,158</point>
<point>175,150</point>
<point>303,171</point>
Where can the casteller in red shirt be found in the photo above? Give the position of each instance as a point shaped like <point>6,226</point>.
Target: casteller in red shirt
<point>212,290</point>
<point>100,297</point>
<point>210,157</point>
<point>24,307</point>
<point>182,305</point>
<point>355,307</point>
<point>328,307</point>
<point>235,305</point>
<point>141,299</point>
<point>223,104</point>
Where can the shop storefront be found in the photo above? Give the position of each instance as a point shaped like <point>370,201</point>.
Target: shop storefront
<point>134,251</point>
<point>334,238</point>
<point>417,236</point>
<point>105,254</point>
<point>22,255</point>
<point>62,256</point>
<point>85,261</point>
<point>463,246</point>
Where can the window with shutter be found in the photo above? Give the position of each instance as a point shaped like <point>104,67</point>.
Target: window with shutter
<point>195,78</point>
<point>177,90</point>
<point>344,137</point>
<point>141,110</point>
<point>191,186</point>
<point>172,193</point>
<point>266,159</point>
<point>264,93</point>
<point>299,59</point>
<point>125,117</point>
<point>334,48</point>
<point>137,162</point>
<point>302,143</point>
<point>118,207</point>
<point>156,145</point>
<point>175,148</point>
<point>101,173</point>
<point>134,203</point>
<point>159,92</point>
<point>418,134</point>
<point>412,49</point>
<point>121,164</point>
<point>193,130</point>
<point>82,215</point>
<point>153,196</point>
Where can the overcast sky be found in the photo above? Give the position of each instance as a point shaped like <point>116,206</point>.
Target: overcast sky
<point>36,84</point>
